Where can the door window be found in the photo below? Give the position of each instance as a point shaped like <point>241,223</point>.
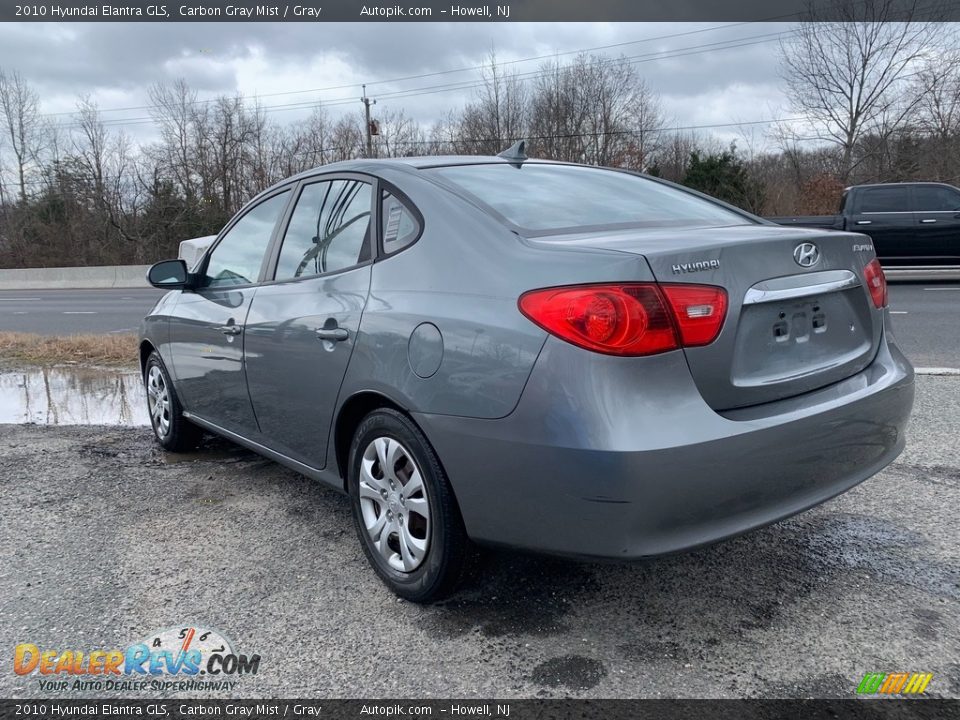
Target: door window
<point>936,199</point>
<point>884,199</point>
<point>237,257</point>
<point>328,231</point>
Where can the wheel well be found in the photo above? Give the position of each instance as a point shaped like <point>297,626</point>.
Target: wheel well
<point>145,349</point>
<point>351,415</point>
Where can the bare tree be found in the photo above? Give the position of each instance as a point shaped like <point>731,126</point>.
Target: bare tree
<point>648,120</point>
<point>673,157</point>
<point>399,135</point>
<point>496,118</point>
<point>937,87</point>
<point>175,108</point>
<point>347,139</point>
<point>846,75</point>
<point>596,110</point>
<point>308,142</point>
<point>19,109</point>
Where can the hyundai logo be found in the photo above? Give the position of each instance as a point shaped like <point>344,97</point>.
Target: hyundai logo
<point>806,254</point>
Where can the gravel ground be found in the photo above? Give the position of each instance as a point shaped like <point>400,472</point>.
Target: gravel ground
<point>104,538</point>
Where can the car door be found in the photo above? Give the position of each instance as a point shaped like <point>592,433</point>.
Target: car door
<point>302,327</point>
<point>884,213</point>
<point>937,217</point>
<point>206,330</point>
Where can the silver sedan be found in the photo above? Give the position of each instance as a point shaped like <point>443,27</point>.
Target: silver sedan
<point>554,357</point>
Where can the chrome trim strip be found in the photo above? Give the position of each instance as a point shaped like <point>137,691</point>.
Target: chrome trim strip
<point>910,212</point>
<point>797,286</point>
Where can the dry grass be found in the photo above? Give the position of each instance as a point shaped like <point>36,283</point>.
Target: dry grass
<point>115,350</point>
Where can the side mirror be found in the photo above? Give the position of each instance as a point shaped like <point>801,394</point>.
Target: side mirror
<point>169,275</point>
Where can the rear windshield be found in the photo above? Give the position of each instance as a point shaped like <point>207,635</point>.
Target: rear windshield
<point>550,197</point>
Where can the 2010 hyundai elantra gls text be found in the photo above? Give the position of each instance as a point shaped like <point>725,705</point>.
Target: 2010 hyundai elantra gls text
<point>554,357</point>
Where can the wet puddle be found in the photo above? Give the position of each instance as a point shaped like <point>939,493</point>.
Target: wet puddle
<point>72,396</point>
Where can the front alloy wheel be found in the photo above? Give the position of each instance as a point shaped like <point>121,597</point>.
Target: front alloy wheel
<point>158,400</point>
<point>172,430</point>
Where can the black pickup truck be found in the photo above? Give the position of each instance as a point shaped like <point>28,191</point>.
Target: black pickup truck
<point>910,223</point>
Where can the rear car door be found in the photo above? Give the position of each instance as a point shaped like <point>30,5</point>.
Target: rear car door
<point>302,326</point>
<point>206,330</point>
<point>937,217</point>
<point>884,213</point>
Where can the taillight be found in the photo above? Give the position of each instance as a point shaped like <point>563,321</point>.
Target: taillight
<point>699,311</point>
<point>628,318</point>
<point>876,283</point>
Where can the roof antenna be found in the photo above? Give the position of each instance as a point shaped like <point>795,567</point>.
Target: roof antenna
<point>516,153</point>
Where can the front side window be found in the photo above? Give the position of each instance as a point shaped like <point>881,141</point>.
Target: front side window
<point>237,258</point>
<point>541,197</point>
<point>936,199</point>
<point>400,225</point>
<point>328,231</point>
<point>884,199</point>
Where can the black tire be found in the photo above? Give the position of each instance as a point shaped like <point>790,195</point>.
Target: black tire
<point>449,549</point>
<point>174,432</point>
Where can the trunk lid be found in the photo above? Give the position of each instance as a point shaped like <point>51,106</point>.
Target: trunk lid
<point>789,329</point>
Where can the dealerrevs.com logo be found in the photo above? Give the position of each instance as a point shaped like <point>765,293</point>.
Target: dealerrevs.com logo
<point>182,658</point>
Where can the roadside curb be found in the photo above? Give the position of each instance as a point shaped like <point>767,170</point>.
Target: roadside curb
<point>936,371</point>
<point>67,278</point>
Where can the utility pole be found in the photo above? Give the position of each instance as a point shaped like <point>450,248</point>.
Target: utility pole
<point>367,102</point>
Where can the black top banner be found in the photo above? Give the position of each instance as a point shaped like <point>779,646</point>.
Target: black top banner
<point>472,11</point>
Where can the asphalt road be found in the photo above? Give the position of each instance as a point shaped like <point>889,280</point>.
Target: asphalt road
<point>104,538</point>
<point>926,322</point>
<point>923,315</point>
<point>66,312</point>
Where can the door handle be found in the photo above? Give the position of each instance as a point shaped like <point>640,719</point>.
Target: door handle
<point>864,222</point>
<point>230,329</point>
<point>928,220</point>
<point>336,334</point>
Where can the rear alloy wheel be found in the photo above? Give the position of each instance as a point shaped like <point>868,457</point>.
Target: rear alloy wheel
<point>172,430</point>
<point>404,510</point>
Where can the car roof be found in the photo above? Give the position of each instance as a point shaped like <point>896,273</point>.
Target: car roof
<point>371,165</point>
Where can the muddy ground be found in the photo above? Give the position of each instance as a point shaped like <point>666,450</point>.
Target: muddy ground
<point>105,538</point>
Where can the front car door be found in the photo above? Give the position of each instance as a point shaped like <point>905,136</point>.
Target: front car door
<point>302,327</point>
<point>937,217</point>
<point>206,330</point>
<point>884,213</point>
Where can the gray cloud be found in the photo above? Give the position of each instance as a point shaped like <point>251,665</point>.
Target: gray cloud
<point>117,62</point>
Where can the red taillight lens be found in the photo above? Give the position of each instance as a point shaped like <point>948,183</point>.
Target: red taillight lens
<point>629,319</point>
<point>699,311</point>
<point>614,319</point>
<point>876,283</point>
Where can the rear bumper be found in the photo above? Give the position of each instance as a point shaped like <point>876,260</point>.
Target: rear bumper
<point>599,460</point>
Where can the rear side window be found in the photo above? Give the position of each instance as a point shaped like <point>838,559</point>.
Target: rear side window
<point>550,197</point>
<point>329,229</point>
<point>400,226</point>
<point>884,199</point>
<point>936,199</point>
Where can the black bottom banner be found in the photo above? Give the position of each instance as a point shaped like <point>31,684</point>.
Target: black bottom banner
<point>881,709</point>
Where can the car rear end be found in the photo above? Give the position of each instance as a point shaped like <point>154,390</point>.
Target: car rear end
<point>742,374</point>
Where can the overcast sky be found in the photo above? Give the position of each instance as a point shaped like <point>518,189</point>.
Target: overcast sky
<point>115,63</point>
